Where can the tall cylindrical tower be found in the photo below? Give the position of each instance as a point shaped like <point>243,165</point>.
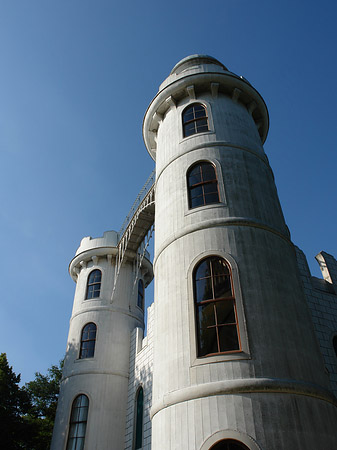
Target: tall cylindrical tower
<point>93,394</point>
<point>235,356</point>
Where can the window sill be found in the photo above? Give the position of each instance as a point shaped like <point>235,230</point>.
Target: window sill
<point>184,139</point>
<point>79,360</point>
<point>235,356</point>
<point>203,207</point>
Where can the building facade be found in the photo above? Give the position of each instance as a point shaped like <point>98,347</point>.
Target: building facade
<point>240,351</point>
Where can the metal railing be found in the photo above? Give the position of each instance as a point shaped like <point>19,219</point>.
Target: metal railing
<point>140,197</point>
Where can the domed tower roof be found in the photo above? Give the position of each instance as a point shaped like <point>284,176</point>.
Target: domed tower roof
<point>193,60</point>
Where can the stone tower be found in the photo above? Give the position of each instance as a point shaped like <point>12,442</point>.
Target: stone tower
<point>236,361</point>
<point>93,396</point>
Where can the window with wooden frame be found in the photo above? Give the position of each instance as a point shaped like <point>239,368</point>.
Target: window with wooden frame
<point>140,299</point>
<point>88,341</point>
<point>94,284</point>
<point>78,423</point>
<point>195,119</point>
<point>215,310</point>
<point>229,444</point>
<point>202,185</point>
<point>138,441</point>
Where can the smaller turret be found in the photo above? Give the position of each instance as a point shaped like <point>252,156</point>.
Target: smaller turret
<point>96,369</point>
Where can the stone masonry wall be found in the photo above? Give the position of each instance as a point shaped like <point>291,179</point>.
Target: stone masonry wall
<point>141,362</point>
<point>321,295</point>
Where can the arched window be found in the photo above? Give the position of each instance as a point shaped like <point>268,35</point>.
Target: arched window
<point>139,419</point>
<point>202,185</point>
<point>94,284</point>
<point>334,343</point>
<point>195,119</point>
<point>215,310</point>
<point>229,444</point>
<point>78,423</point>
<point>88,340</point>
<point>140,300</point>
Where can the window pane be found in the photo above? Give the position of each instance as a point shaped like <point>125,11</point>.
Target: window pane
<point>201,128</point>
<point>71,444</point>
<point>90,349</point>
<point>222,287</point>
<point>203,289</point>
<point>139,419</point>
<point>219,266</point>
<point>80,444</point>
<point>96,290</point>
<point>83,414</point>
<point>198,201</point>
<point>194,179</point>
<point>210,188</point>
<point>208,172</point>
<point>201,125</point>
<point>196,192</point>
<point>206,316</point>
<point>211,198</point>
<point>188,115</point>
<point>189,129</point>
<point>90,292</point>
<point>207,341</point>
<point>73,430</point>
<point>92,332</point>
<point>225,312</point>
<point>81,429</point>
<point>199,112</point>
<point>228,338</point>
<point>203,269</point>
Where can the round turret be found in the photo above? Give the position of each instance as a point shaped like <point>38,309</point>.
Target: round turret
<point>106,310</point>
<point>233,335</point>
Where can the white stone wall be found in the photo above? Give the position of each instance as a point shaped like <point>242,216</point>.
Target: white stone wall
<point>141,362</point>
<point>321,296</point>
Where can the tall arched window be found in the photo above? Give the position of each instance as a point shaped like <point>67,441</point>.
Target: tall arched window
<point>78,423</point>
<point>215,310</point>
<point>139,419</point>
<point>94,284</point>
<point>195,119</point>
<point>140,299</point>
<point>202,185</point>
<point>229,444</point>
<point>88,340</point>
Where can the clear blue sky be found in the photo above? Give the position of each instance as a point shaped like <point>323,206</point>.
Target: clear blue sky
<point>76,78</point>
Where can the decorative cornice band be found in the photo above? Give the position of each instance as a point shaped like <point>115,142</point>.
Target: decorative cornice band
<point>229,80</point>
<point>106,308</point>
<point>96,372</point>
<point>244,386</point>
<point>219,222</point>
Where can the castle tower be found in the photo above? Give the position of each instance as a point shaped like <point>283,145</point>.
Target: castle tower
<point>236,362</point>
<point>93,395</point>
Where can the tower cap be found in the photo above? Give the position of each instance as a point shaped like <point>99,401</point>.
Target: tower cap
<point>193,60</point>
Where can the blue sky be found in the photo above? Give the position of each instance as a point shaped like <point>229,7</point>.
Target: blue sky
<point>75,81</point>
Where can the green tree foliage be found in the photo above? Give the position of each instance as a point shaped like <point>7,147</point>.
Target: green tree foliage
<point>43,392</point>
<point>27,413</point>
<point>15,430</point>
